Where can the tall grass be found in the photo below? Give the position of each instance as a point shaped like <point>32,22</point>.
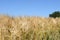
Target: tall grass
<point>29,28</point>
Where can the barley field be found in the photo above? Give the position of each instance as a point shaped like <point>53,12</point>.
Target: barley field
<point>29,28</point>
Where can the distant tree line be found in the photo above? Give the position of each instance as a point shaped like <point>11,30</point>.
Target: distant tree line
<point>55,14</point>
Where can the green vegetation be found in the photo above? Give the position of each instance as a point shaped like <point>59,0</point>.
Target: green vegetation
<point>55,14</point>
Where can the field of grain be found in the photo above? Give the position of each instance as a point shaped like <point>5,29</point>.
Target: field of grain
<point>29,28</point>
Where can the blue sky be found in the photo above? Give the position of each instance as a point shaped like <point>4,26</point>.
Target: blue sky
<point>29,7</point>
